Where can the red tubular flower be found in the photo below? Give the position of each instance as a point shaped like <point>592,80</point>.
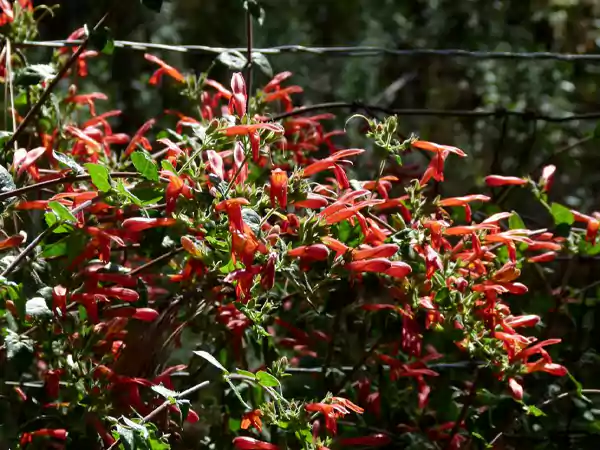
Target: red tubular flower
<point>543,258</point>
<point>59,299</point>
<point>312,201</point>
<point>24,160</point>
<point>248,443</point>
<point>27,438</point>
<point>499,180</point>
<point>175,188</point>
<point>245,130</point>
<point>13,241</point>
<point>164,68</point>
<point>278,191</point>
<point>239,99</point>
<point>145,314</point>
<point>315,252</point>
<point>398,269</point>
<point>329,162</point>
<point>462,201</point>
<point>215,163</point>
<point>275,82</point>
<point>139,137</point>
<point>377,265</point>
<point>241,165</point>
<point>382,251</point>
<point>547,177</point>
<point>137,224</point>
<point>437,148</point>
<point>252,419</point>
<point>233,209</point>
<point>516,389</point>
<point>374,440</point>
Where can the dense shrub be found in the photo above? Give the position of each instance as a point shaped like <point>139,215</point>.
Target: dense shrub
<point>226,272</point>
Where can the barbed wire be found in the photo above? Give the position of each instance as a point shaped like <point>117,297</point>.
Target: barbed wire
<point>351,51</point>
<point>496,113</point>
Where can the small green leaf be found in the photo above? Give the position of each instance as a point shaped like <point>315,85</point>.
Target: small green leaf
<point>246,373</point>
<point>136,426</point>
<point>252,219</point>
<point>145,165</point>
<point>128,196</point>
<point>184,407</point>
<point>562,214</point>
<point>5,136</point>
<point>62,212</point>
<point>256,10</point>
<point>102,41</point>
<point>533,410</point>
<point>263,63</point>
<point>100,176</point>
<point>37,308</point>
<point>515,222</point>
<point>237,393</point>
<point>68,163</point>
<point>127,437</point>
<point>34,74</point>
<point>234,60</point>
<point>266,379</point>
<point>166,165</point>
<point>211,359</point>
<point>167,394</point>
<point>153,5</point>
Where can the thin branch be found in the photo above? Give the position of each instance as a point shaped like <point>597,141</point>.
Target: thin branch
<point>68,179</point>
<point>61,73</point>
<point>11,90</point>
<point>164,406</point>
<point>465,410</point>
<point>351,51</point>
<point>158,260</point>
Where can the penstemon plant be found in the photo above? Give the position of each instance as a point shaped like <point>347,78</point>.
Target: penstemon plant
<point>243,259</point>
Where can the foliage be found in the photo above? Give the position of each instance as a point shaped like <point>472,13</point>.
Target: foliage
<point>234,276</point>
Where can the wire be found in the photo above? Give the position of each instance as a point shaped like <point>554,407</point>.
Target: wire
<point>357,51</point>
<point>497,113</point>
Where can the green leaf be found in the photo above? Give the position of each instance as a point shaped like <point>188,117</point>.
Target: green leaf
<point>153,5</point>
<point>266,379</point>
<point>5,136</point>
<point>37,308</point>
<point>34,74</point>
<point>256,10</point>
<point>167,394</point>
<point>136,426</point>
<point>102,41</point>
<point>533,410</point>
<point>68,163</point>
<point>100,176</point>
<point>19,350</point>
<point>127,437</point>
<point>252,219</point>
<point>129,197</point>
<point>62,212</point>
<point>145,165</point>
<point>211,359</point>
<point>184,407</point>
<point>515,222</point>
<point>52,219</point>
<point>166,165</point>
<point>263,63</point>
<point>561,214</point>
<point>6,185</point>
<point>234,60</point>
<point>246,373</point>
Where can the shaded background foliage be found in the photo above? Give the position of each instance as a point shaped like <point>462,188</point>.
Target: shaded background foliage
<point>514,145</point>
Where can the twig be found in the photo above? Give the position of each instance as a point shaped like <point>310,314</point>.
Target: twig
<point>158,260</point>
<point>11,91</point>
<point>465,410</point>
<point>351,51</point>
<point>68,179</point>
<point>61,73</point>
<point>164,406</point>
<point>13,265</point>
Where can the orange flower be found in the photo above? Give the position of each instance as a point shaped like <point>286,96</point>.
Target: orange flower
<point>312,201</point>
<point>164,68</point>
<point>252,419</point>
<point>499,180</point>
<point>381,251</point>
<point>278,192</point>
<point>315,252</point>
<point>137,224</point>
<point>233,208</point>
